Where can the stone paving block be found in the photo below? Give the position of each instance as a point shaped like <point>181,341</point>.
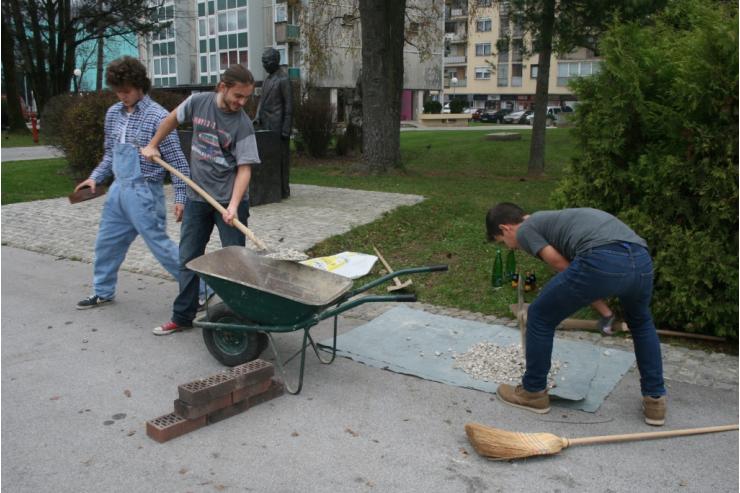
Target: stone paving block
<point>188,411</point>
<point>202,391</point>
<point>171,426</point>
<point>252,372</point>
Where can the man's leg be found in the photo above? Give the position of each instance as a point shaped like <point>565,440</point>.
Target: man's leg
<point>285,168</point>
<point>197,225</point>
<point>115,235</point>
<point>149,216</point>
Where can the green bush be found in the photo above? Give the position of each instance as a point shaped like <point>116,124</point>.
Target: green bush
<point>457,106</point>
<point>433,107</point>
<point>658,139</point>
<point>314,120</point>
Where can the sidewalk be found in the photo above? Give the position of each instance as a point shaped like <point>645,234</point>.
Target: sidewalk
<point>29,153</point>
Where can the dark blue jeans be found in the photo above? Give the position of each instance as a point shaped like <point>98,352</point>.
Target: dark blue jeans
<point>197,225</point>
<point>622,270</point>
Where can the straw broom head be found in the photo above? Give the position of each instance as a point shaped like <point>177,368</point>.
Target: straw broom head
<point>500,444</point>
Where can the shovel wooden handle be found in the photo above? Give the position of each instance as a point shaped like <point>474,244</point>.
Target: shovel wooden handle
<point>237,224</point>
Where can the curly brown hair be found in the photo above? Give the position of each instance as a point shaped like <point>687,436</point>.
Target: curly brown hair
<point>127,71</point>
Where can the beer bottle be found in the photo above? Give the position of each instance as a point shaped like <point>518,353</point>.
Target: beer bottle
<point>497,274</point>
<point>510,265</point>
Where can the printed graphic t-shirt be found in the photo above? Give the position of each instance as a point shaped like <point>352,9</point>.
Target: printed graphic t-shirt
<point>221,141</point>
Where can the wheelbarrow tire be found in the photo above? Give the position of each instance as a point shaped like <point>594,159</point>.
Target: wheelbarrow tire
<point>230,347</point>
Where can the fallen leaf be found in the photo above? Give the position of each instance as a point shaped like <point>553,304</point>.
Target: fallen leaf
<point>131,433</point>
<point>55,398</point>
<point>182,471</point>
<point>352,432</point>
<point>294,434</point>
<point>463,451</point>
<point>127,393</point>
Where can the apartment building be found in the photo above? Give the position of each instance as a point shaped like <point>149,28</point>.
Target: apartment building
<point>206,36</point>
<point>478,72</point>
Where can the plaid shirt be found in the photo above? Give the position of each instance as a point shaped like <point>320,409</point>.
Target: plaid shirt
<point>142,125</point>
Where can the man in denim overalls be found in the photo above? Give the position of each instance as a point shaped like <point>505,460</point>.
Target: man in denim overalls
<point>597,257</point>
<point>135,204</point>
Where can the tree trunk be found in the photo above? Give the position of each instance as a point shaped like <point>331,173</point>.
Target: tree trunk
<point>382,82</point>
<point>536,164</point>
<point>100,67</point>
<point>15,114</point>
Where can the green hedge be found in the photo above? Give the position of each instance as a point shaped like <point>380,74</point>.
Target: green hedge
<point>432,107</point>
<point>658,140</point>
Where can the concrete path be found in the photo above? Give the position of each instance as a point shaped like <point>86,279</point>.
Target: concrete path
<point>29,153</point>
<point>78,387</point>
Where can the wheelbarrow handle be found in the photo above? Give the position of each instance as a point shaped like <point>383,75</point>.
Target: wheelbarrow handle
<point>348,305</point>
<point>391,275</point>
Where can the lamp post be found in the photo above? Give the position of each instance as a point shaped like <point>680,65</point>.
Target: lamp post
<point>77,73</point>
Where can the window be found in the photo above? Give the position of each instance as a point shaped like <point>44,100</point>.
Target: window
<point>225,42</point>
<point>484,3</point>
<point>482,49</point>
<point>163,46</point>
<point>283,56</point>
<point>571,70</point>
<point>502,70</point>
<point>281,12</point>
<point>482,73</point>
<point>533,71</point>
<point>483,24</point>
<point>516,75</point>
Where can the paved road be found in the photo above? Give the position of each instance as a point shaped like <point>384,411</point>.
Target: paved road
<point>28,153</point>
<point>65,374</point>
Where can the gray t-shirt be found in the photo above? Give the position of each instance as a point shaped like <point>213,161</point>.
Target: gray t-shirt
<point>573,232</point>
<point>221,141</point>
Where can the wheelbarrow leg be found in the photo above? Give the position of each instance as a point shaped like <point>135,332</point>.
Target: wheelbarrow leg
<point>281,368</point>
<point>333,349</point>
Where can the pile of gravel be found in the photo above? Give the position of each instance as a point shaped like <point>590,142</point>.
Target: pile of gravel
<point>501,364</point>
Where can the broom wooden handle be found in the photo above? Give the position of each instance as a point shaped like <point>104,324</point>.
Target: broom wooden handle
<point>236,222</point>
<point>648,435</point>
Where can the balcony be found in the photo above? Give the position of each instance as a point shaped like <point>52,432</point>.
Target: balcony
<point>460,83</point>
<point>455,60</point>
<point>285,32</point>
<point>456,37</point>
<point>456,14</point>
<point>294,73</point>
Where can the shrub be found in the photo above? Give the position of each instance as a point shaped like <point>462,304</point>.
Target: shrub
<point>457,106</point>
<point>168,99</point>
<point>314,120</point>
<point>659,148</point>
<point>433,107</point>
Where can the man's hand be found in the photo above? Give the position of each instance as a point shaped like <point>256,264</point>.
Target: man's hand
<point>229,215</point>
<point>87,183</point>
<point>179,209</point>
<point>150,152</point>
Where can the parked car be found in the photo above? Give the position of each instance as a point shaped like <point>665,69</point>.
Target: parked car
<point>477,113</point>
<point>553,114</point>
<point>494,116</point>
<point>446,108</point>
<point>517,117</point>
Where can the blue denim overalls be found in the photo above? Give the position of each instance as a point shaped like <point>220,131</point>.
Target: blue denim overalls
<point>135,206</point>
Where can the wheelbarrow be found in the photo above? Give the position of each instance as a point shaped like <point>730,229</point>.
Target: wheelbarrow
<point>262,296</point>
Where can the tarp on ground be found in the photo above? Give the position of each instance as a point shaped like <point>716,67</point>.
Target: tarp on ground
<point>404,340</point>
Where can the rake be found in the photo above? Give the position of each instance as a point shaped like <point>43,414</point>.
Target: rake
<point>498,444</point>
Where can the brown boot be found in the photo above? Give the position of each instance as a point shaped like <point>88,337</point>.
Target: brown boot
<point>537,402</point>
<point>654,410</point>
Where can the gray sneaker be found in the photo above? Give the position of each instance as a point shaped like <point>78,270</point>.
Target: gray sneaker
<point>92,302</point>
<point>654,410</point>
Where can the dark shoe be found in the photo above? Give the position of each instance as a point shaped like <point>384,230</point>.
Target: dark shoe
<point>654,410</point>
<point>168,328</point>
<point>537,402</point>
<point>92,302</point>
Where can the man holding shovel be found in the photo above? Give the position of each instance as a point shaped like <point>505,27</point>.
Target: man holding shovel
<point>597,256</point>
<point>135,203</point>
<point>223,150</point>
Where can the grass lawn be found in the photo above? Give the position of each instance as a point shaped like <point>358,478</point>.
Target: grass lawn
<point>11,139</point>
<point>462,176</point>
<point>23,181</point>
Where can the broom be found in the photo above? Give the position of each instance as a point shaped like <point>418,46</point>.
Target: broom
<point>500,444</point>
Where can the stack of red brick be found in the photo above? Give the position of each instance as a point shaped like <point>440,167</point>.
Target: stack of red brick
<point>216,398</point>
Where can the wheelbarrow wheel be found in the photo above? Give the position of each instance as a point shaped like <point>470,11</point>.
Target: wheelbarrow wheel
<point>232,347</point>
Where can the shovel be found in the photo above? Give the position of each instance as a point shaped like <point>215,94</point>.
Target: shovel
<point>237,224</point>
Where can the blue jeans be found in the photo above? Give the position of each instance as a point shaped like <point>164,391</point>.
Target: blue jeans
<point>198,221</point>
<point>619,269</point>
<point>134,206</point>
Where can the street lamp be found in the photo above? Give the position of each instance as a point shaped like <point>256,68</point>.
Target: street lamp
<point>77,73</point>
<point>453,81</point>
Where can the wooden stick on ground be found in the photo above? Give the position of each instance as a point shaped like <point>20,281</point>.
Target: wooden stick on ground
<point>397,284</point>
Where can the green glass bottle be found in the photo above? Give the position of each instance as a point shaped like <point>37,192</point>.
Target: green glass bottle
<point>497,274</point>
<point>510,266</point>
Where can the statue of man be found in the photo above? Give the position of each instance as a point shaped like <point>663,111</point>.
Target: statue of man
<point>275,111</point>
